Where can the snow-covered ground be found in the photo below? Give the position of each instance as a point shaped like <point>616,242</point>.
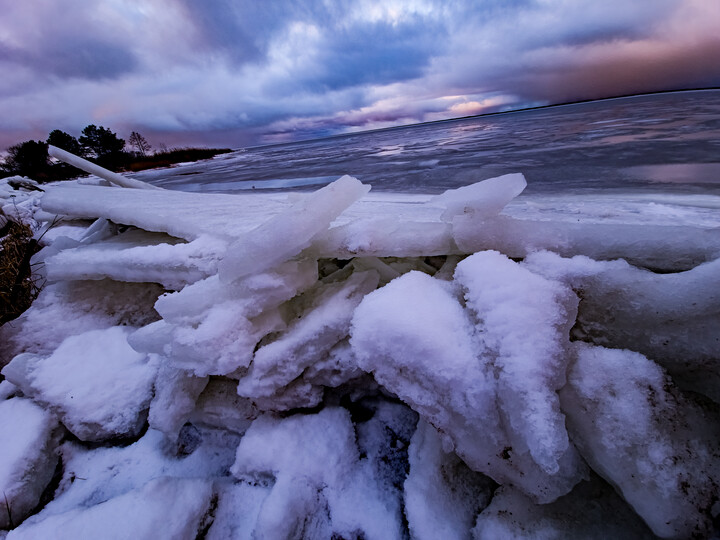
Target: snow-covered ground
<point>343,364</point>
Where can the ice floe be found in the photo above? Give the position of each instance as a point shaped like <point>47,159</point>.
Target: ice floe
<point>343,365</point>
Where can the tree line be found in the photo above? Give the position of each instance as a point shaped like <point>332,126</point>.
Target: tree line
<point>96,143</point>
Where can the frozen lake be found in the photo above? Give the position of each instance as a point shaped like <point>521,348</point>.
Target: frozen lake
<point>666,143</point>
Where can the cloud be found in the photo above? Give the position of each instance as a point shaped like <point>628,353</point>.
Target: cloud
<point>254,71</point>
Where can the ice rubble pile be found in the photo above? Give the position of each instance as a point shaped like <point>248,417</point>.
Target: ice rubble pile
<point>458,373</point>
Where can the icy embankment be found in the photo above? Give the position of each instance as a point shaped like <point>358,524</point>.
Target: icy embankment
<point>340,365</point>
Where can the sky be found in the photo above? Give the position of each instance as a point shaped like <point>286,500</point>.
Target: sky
<point>237,73</point>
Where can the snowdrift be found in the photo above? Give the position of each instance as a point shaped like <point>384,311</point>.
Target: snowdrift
<point>333,365</point>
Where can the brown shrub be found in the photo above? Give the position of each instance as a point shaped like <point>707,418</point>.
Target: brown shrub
<point>18,287</point>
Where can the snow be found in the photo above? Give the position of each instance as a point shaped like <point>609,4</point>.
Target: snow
<point>30,439</point>
<point>347,364</point>
<point>442,495</point>
<point>659,448</point>
<point>164,508</point>
<point>95,383</point>
<point>591,511</point>
<point>625,307</point>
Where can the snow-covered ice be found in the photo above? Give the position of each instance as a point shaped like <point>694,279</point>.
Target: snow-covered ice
<point>98,386</point>
<point>353,365</point>
<point>28,449</point>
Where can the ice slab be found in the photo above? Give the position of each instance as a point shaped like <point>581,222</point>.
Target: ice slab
<point>180,214</point>
<point>290,231</point>
<point>92,168</point>
<point>98,386</point>
<point>673,319</point>
<point>442,495</point>
<point>212,328</point>
<point>591,511</point>
<point>524,322</point>
<point>165,508</point>
<point>138,256</point>
<point>65,309</point>
<point>661,247</point>
<point>486,198</point>
<point>659,449</point>
<point>308,339</point>
<point>319,485</point>
<point>416,339</point>
<point>28,449</point>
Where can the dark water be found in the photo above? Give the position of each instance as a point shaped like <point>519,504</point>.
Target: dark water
<point>667,141</point>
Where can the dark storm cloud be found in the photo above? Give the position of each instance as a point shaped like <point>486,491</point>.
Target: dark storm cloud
<point>378,53</point>
<point>295,69</point>
<point>80,57</point>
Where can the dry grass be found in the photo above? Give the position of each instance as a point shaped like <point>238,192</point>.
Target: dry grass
<point>18,287</point>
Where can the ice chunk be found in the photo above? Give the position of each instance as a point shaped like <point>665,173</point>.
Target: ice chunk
<point>164,508</point>
<point>319,488</point>
<point>672,318</point>
<point>481,199</point>
<point>238,506</point>
<point>70,308</point>
<point>28,449</point>
<point>309,338</point>
<point>385,237</point>
<point>94,475</point>
<point>138,256</point>
<point>8,390</point>
<point>657,448</point>
<point>420,344</point>
<point>212,328</point>
<point>99,387</point>
<point>97,170</point>
<point>591,511</point>
<point>287,234</point>
<point>442,495</point>
<point>662,247</point>
<point>524,321</point>
<point>180,214</point>
<point>339,367</point>
<point>176,392</point>
<point>219,406</point>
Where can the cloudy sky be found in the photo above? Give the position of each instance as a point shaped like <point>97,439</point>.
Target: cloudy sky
<point>241,72</point>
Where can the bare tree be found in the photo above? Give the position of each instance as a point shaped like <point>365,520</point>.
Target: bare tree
<point>139,143</point>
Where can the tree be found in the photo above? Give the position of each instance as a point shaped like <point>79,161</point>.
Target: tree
<point>139,143</point>
<point>65,141</point>
<point>100,141</point>
<point>29,158</point>
<point>104,146</point>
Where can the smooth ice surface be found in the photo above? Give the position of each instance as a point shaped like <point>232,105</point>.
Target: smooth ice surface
<point>659,449</point>
<point>662,247</point>
<point>95,382</point>
<point>29,440</point>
